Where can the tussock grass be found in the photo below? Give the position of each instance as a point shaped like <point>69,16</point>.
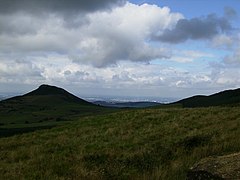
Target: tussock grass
<point>132,144</point>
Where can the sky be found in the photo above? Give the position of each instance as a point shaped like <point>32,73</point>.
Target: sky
<point>158,48</point>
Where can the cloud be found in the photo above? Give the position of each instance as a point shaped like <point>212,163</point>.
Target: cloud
<point>131,76</point>
<point>225,72</point>
<point>232,44</point>
<point>108,46</point>
<point>19,24</point>
<point>20,71</point>
<point>233,59</point>
<point>128,77</point>
<point>21,17</point>
<point>186,56</point>
<point>56,6</point>
<point>107,38</point>
<point>229,12</point>
<point>223,41</point>
<point>225,77</point>
<point>196,29</point>
<point>123,34</point>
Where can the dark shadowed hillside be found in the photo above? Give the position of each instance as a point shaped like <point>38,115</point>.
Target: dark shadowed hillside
<point>43,106</point>
<point>46,90</point>
<point>228,97</point>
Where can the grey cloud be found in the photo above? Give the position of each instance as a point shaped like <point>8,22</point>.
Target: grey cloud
<point>123,76</point>
<point>20,71</point>
<point>55,6</point>
<point>195,29</point>
<point>81,73</point>
<point>234,59</point>
<point>107,38</point>
<point>118,48</point>
<point>112,56</point>
<point>76,77</point>
<point>229,12</point>
<point>226,77</point>
<point>67,73</point>
<point>16,24</point>
<point>12,11</point>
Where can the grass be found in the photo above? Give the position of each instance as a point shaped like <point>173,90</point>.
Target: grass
<point>28,113</point>
<point>228,97</point>
<point>34,109</point>
<point>149,143</point>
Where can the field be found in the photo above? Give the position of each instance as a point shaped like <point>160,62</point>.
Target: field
<point>154,143</point>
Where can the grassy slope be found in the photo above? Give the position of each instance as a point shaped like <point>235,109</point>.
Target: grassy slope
<point>46,103</point>
<point>228,97</point>
<point>139,144</point>
<point>30,112</point>
<point>42,108</point>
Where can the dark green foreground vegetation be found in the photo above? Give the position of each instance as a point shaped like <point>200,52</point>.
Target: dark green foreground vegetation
<point>132,144</point>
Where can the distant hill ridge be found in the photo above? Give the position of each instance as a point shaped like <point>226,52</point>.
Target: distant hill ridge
<point>138,104</point>
<point>45,107</point>
<point>45,104</point>
<point>47,90</point>
<point>227,97</point>
<point>53,93</point>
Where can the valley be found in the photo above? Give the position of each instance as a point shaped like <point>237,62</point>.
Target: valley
<point>160,142</point>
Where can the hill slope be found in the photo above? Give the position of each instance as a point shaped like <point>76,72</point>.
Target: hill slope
<point>228,97</point>
<point>133,144</point>
<point>49,94</point>
<point>47,90</point>
<point>45,104</point>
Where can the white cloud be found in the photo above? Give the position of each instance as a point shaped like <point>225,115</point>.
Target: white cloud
<point>132,77</point>
<point>20,71</point>
<point>109,49</point>
<point>223,41</point>
<point>234,58</point>
<point>228,78</point>
<point>107,36</point>
<point>123,34</point>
